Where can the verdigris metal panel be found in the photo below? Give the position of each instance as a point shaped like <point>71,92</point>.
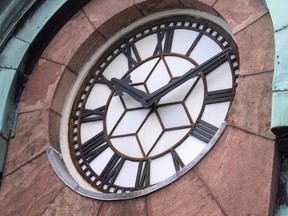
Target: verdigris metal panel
<point>7,107</point>
<point>41,16</point>
<point>279,117</point>
<point>12,54</point>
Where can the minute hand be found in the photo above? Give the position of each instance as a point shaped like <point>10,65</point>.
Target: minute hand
<point>158,94</point>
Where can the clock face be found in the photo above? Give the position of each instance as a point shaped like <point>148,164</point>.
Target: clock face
<point>152,105</point>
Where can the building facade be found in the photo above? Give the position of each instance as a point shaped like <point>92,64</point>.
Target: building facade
<point>238,176</point>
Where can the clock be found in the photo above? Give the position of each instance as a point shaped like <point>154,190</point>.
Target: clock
<point>151,105</point>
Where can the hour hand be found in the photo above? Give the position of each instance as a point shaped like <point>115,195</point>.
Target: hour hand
<point>123,85</point>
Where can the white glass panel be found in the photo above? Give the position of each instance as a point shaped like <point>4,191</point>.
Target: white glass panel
<point>159,77</point>
<point>146,46</point>
<point>179,93</point>
<point>215,113</point>
<point>141,72</point>
<point>117,68</point>
<point>114,112</point>
<point>182,40</point>
<point>131,122</point>
<point>190,149</point>
<point>99,163</point>
<point>127,175</point>
<point>168,140</point>
<point>149,132</point>
<point>127,146</point>
<point>173,116</point>
<point>161,169</point>
<point>90,129</point>
<point>178,66</point>
<point>98,96</point>
<point>220,78</point>
<point>195,99</point>
<point>205,49</point>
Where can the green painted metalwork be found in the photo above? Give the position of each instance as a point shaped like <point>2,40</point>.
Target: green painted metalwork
<point>39,19</point>
<point>279,117</point>
<point>11,12</point>
<point>7,76</point>
<point>25,27</point>
<point>279,15</point>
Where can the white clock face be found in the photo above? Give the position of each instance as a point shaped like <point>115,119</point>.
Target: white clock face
<point>152,105</point>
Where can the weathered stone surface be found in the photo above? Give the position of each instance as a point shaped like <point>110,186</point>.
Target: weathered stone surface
<point>99,11</point>
<point>108,16</point>
<point>119,21</point>
<point>256,46</point>
<point>136,207</point>
<point>69,203</point>
<point>31,139</point>
<point>238,171</point>
<point>85,51</point>
<point>187,196</point>
<point>200,5</point>
<point>251,108</point>
<point>239,13</point>
<point>41,86</point>
<point>151,6</point>
<point>61,92</point>
<point>108,208</point>
<point>69,39</point>
<point>29,189</point>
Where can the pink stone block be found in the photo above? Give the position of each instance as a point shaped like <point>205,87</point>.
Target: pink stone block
<point>31,138</point>
<point>67,41</point>
<point>62,90</point>
<point>240,13</point>
<point>251,108</point>
<point>256,47</point>
<point>99,11</point>
<point>41,86</point>
<point>30,189</point>
<point>239,173</point>
<point>187,196</point>
<point>70,203</point>
<point>205,6</point>
<point>108,16</point>
<point>152,6</point>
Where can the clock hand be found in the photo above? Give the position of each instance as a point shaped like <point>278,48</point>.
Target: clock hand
<point>150,99</point>
<point>122,85</point>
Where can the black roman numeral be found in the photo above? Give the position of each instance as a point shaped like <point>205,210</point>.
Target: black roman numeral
<point>203,131</point>
<point>92,148</point>
<point>92,115</point>
<point>132,55</point>
<point>111,170</point>
<point>219,96</point>
<point>143,174</point>
<point>178,163</point>
<point>164,41</point>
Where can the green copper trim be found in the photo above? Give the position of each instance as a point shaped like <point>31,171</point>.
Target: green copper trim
<point>279,117</point>
<point>26,26</point>
<point>7,78</point>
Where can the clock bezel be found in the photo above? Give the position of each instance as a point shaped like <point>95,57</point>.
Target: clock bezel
<point>179,173</point>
